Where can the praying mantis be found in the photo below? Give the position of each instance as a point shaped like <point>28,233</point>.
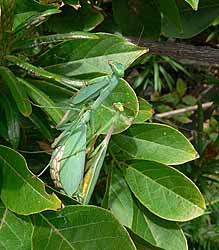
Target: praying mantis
<point>68,160</point>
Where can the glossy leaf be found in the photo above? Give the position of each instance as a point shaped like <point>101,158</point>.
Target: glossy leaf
<point>43,100</point>
<point>19,94</point>
<point>200,19</point>
<point>15,230</point>
<point>165,191</point>
<point>20,192</point>
<point>49,39</point>
<point>145,111</point>
<point>12,119</point>
<point>120,108</point>
<point>93,58</point>
<point>85,18</point>
<point>120,199</point>
<point>22,17</point>
<point>68,160</point>
<point>170,11</point>
<point>80,228</point>
<point>36,19</point>
<point>156,142</point>
<point>157,232</point>
<point>138,18</point>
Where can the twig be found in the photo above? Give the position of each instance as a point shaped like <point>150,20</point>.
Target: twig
<point>183,110</point>
<point>202,55</point>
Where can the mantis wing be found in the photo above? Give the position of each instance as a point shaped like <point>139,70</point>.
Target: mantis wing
<point>67,167</point>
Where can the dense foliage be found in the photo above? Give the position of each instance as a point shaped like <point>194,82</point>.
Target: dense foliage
<point>116,178</point>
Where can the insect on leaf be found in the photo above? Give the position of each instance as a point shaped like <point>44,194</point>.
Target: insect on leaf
<point>93,172</point>
<point>68,161</point>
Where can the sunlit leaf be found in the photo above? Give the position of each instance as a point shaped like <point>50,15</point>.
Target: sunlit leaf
<point>165,191</point>
<point>156,142</point>
<point>15,230</point>
<point>159,233</point>
<point>93,58</point>
<point>80,228</point>
<point>20,192</point>
<point>120,108</point>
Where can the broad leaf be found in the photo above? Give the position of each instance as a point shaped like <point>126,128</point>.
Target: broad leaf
<point>85,18</point>
<point>20,192</point>
<point>120,108</point>
<point>49,39</point>
<point>156,142</point>
<point>18,92</point>
<point>12,118</point>
<point>15,230</point>
<point>159,233</point>
<point>170,11</point>
<point>145,111</point>
<point>80,228</point>
<point>165,191</point>
<point>70,60</point>
<point>43,101</point>
<point>200,19</point>
<point>138,18</point>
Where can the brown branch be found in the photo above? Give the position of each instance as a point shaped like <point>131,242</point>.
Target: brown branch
<point>183,110</point>
<point>203,55</point>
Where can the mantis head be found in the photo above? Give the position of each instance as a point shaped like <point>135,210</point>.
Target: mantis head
<point>117,68</point>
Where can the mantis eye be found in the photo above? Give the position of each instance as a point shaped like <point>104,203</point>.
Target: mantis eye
<point>117,68</point>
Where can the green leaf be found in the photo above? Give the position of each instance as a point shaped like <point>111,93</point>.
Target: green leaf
<point>200,19</point>
<point>43,100</point>
<point>15,230</point>
<point>145,111</point>
<point>30,5</point>
<point>20,192</point>
<point>80,228</point>
<point>59,94</point>
<point>120,108</point>
<point>12,118</point>
<point>69,160</point>
<point>193,3</point>
<point>120,199</point>
<point>170,10</point>
<point>35,20</point>
<point>22,17</point>
<point>159,233</point>
<point>138,18</point>
<point>172,98</point>
<point>94,56</point>
<point>189,100</point>
<point>49,39</point>
<point>85,18</point>
<point>165,191</point>
<point>18,92</point>
<point>156,142</point>
<point>181,87</point>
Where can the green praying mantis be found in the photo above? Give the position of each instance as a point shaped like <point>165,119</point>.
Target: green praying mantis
<point>68,160</point>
